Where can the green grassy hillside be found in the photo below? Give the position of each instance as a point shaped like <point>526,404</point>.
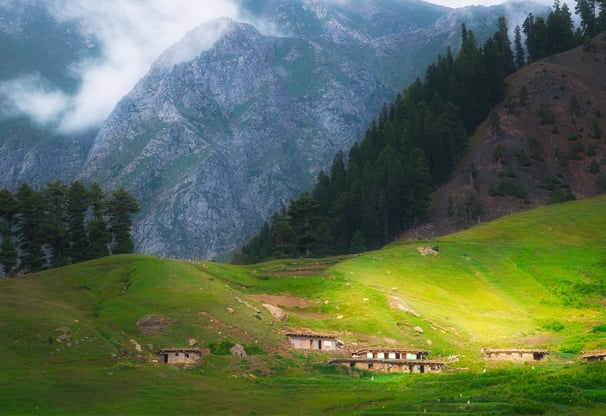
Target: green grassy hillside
<point>74,339</point>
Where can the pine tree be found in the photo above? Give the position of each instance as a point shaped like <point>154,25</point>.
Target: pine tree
<point>8,255</point>
<point>303,214</point>
<point>98,235</point>
<point>8,211</point>
<point>56,223</point>
<point>30,221</point>
<point>559,29</point>
<point>120,207</point>
<point>520,59</point>
<point>77,205</point>
<point>586,10</point>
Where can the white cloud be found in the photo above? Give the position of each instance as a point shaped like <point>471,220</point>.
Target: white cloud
<point>31,95</point>
<point>464,3</point>
<point>133,33</point>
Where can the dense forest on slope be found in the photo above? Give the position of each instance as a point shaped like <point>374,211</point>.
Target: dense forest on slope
<point>386,185</point>
<point>62,224</point>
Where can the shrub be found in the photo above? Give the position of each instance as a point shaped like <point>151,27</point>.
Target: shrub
<point>508,187</point>
<point>601,181</point>
<point>555,326</point>
<point>546,115</point>
<point>561,157</point>
<point>523,159</point>
<point>591,150</point>
<point>575,150</point>
<point>572,348</point>
<point>559,196</point>
<point>221,348</point>
<point>594,168</point>
<point>535,150</point>
<point>597,131</point>
<point>599,328</point>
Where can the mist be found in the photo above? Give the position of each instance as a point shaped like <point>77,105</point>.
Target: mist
<point>132,33</point>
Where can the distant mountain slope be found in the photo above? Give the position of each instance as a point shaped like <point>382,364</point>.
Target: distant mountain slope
<point>37,51</point>
<point>212,146</point>
<point>220,142</point>
<point>547,144</point>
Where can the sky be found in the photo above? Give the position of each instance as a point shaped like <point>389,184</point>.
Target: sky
<point>463,3</point>
<point>133,34</point>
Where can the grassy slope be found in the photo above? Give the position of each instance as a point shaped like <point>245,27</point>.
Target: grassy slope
<point>530,280</point>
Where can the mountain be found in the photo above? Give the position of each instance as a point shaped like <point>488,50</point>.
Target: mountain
<point>226,129</point>
<point>77,336</point>
<point>38,52</point>
<point>544,144</point>
<point>215,143</point>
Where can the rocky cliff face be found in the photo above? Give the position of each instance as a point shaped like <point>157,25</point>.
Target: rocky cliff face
<point>212,146</point>
<point>32,43</point>
<point>220,135</point>
<point>237,119</point>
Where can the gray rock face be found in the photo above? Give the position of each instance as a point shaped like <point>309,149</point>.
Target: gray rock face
<point>211,147</point>
<point>219,135</point>
<point>233,122</point>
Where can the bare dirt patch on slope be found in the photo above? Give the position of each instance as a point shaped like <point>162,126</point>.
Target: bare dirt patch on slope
<point>285,301</point>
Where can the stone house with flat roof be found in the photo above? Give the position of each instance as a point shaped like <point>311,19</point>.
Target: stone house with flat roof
<point>392,360</point>
<point>312,342</point>
<point>594,356</point>
<point>514,354</point>
<point>180,355</point>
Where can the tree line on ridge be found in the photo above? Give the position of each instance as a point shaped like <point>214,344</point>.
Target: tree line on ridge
<point>386,185</point>
<point>62,224</point>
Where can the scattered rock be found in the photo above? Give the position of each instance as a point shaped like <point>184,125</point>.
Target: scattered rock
<point>427,251</point>
<point>238,351</point>
<point>339,316</point>
<point>192,342</point>
<point>276,312</point>
<point>136,345</point>
<point>419,329</point>
<point>429,342</point>
<point>230,310</point>
<point>397,303</point>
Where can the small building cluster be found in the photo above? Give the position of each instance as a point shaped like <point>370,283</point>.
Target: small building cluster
<point>392,360</point>
<point>515,354</point>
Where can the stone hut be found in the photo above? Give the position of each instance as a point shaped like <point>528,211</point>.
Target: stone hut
<point>390,354</point>
<point>313,342</point>
<point>515,354</point>
<point>180,355</point>
<point>391,360</point>
<point>594,356</point>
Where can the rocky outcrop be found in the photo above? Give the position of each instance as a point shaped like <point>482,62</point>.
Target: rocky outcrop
<point>217,137</point>
<point>237,119</point>
<point>211,147</point>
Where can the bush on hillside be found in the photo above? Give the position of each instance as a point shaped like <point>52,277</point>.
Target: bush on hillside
<point>599,328</point>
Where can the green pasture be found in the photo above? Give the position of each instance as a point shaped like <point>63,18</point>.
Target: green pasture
<point>72,345</point>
